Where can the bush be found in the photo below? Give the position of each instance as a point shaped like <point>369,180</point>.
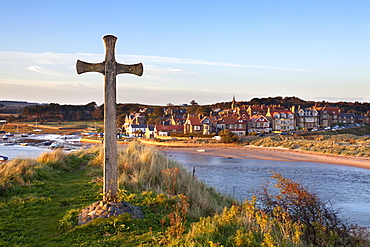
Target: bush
<point>321,225</point>
<point>228,137</point>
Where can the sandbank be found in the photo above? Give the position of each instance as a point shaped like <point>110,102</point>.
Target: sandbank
<point>279,154</point>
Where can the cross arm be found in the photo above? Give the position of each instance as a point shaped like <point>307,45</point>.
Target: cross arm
<point>136,69</point>
<point>83,67</point>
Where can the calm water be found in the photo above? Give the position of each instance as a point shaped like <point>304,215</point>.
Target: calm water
<point>33,151</point>
<point>17,151</point>
<point>345,187</point>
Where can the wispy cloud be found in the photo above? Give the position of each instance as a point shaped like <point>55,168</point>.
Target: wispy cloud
<point>162,71</point>
<point>40,58</point>
<point>159,59</point>
<point>59,58</point>
<point>41,70</point>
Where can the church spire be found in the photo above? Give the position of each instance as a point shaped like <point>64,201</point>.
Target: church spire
<point>233,103</point>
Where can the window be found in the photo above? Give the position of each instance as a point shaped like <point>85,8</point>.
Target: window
<point>196,127</point>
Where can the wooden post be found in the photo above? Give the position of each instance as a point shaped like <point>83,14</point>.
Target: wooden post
<point>110,69</point>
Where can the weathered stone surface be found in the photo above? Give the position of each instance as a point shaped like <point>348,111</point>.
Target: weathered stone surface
<point>110,69</point>
<point>105,210</point>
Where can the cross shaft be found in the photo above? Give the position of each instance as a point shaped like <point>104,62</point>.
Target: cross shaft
<point>110,69</point>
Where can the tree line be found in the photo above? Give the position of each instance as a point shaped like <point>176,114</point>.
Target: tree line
<point>93,112</point>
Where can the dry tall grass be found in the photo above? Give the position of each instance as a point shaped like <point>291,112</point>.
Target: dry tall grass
<point>143,168</point>
<point>20,172</point>
<point>344,144</point>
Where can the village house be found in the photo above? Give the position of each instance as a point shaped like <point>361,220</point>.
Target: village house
<point>149,131</point>
<point>235,125</point>
<point>177,121</point>
<point>256,110</point>
<point>281,120</point>
<point>333,115</point>
<point>259,124</point>
<point>135,130</point>
<point>328,115</point>
<point>363,120</point>
<point>133,119</point>
<point>193,125</point>
<point>175,112</point>
<point>324,116</point>
<point>347,119</point>
<point>208,126</point>
<point>308,119</point>
<point>167,130</point>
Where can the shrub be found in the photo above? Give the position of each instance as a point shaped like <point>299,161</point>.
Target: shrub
<point>228,137</point>
<point>321,225</point>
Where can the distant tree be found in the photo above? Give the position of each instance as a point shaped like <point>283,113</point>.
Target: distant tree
<point>200,111</point>
<point>134,109</point>
<point>158,111</point>
<point>228,137</point>
<point>169,104</point>
<point>121,120</point>
<point>153,120</point>
<point>191,109</point>
<point>97,114</point>
<point>78,116</point>
<point>193,102</point>
<point>207,110</point>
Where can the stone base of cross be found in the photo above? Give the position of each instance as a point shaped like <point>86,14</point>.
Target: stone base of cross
<point>110,69</point>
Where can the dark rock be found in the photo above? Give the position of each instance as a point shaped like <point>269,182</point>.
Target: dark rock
<point>105,210</point>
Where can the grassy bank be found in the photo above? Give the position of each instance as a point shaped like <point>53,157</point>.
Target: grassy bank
<point>340,144</point>
<point>40,200</point>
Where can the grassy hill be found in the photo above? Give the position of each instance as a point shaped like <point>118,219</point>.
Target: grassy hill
<point>40,200</point>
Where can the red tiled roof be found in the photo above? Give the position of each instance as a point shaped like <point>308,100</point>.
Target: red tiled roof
<point>256,118</point>
<point>333,110</point>
<point>280,111</point>
<point>169,127</point>
<point>230,120</point>
<point>194,121</point>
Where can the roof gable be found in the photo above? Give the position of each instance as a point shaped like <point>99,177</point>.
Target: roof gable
<point>193,120</point>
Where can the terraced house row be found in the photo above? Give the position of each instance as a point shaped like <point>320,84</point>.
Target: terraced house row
<point>243,120</point>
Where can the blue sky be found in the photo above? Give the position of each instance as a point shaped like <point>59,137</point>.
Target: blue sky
<point>202,50</point>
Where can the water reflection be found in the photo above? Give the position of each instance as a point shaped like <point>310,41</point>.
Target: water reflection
<point>345,187</point>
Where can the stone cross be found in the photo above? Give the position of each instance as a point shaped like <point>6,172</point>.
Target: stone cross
<point>110,69</point>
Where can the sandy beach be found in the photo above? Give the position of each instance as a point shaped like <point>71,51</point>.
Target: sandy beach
<point>280,154</point>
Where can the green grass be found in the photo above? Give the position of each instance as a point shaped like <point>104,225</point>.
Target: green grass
<point>30,216</point>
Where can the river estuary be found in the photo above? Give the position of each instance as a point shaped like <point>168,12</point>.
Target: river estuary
<point>347,188</point>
